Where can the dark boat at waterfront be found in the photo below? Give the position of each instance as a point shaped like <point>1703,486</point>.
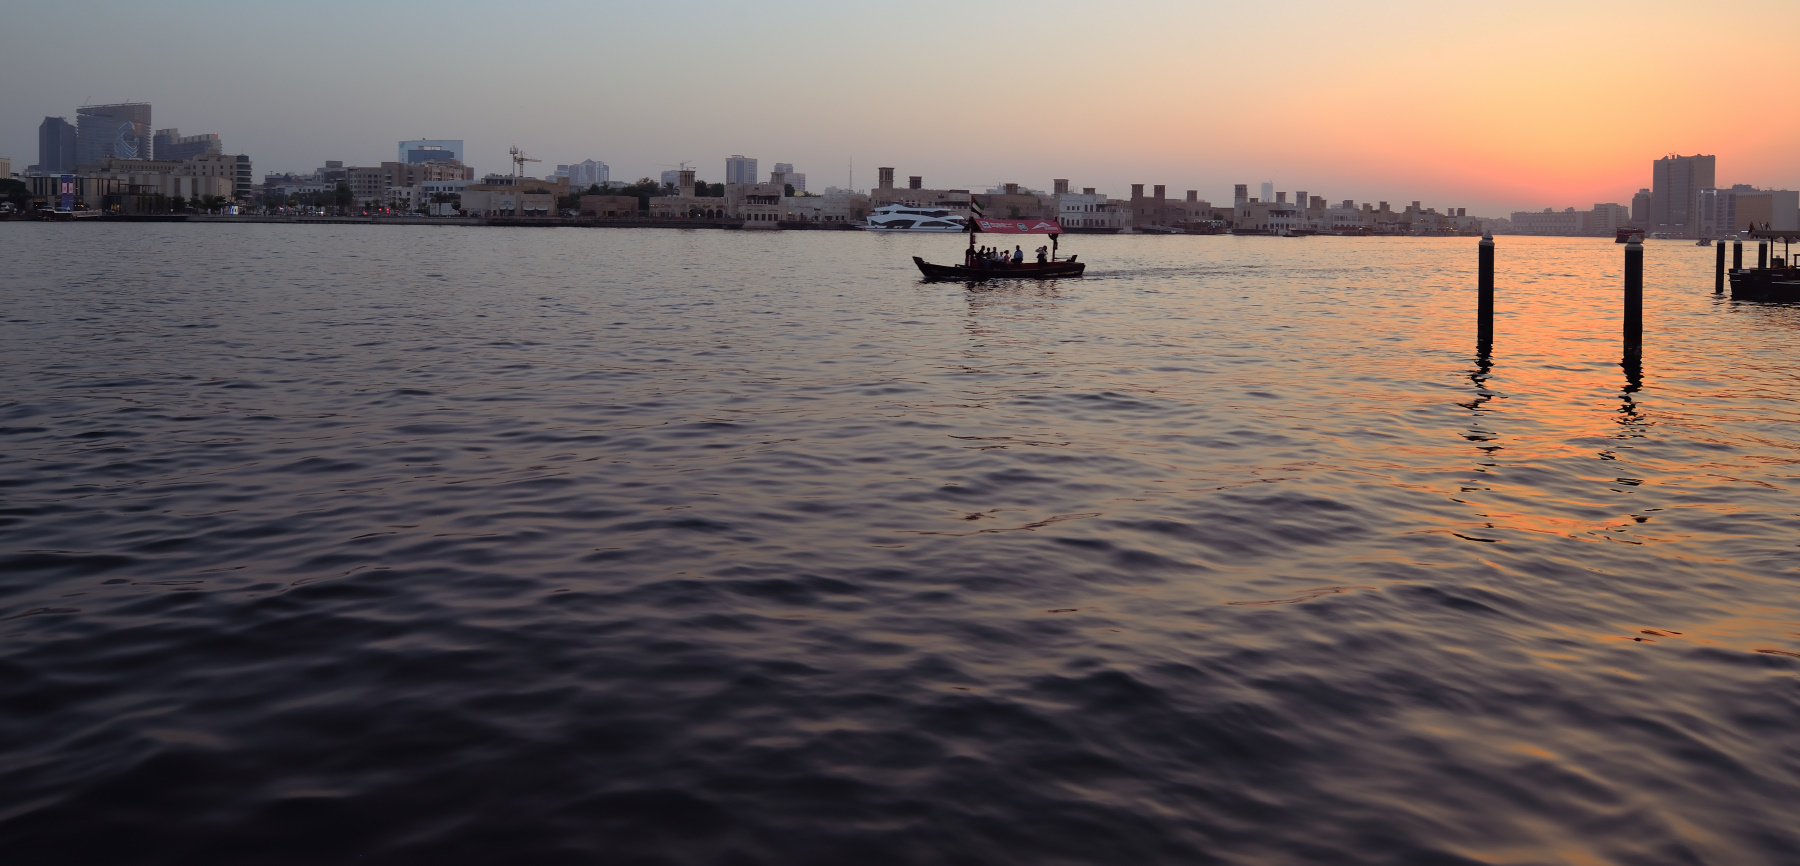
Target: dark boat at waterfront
<point>1774,280</point>
<point>974,269</point>
<point>1624,235</point>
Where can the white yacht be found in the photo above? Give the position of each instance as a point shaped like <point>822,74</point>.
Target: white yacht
<point>904,218</point>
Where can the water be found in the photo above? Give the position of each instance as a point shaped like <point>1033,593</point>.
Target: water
<point>431,545</point>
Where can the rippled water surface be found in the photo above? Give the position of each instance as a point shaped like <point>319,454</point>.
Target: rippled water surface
<point>442,545</point>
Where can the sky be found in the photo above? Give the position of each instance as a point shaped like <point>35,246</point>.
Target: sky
<point>1493,107</point>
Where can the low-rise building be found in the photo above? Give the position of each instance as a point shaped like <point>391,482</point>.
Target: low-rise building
<point>757,204</point>
<point>368,184</point>
<point>1016,203</point>
<point>609,206</point>
<point>1567,222</point>
<point>507,201</point>
<point>684,204</point>
<point>1272,217</point>
<point>1090,210</point>
<point>915,194</point>
<point>1609,218</point>
<point>837,206</point>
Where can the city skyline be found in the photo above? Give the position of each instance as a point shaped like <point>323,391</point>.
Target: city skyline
<point>1484,109</point>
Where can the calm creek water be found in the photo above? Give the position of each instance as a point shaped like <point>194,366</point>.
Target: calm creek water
<point>329,544</point>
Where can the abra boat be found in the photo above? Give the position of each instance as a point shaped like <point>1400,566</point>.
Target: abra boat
<point>904,218</point>
<point>975,270</point>
<point>1773,279</point>
<point>1624,235</point>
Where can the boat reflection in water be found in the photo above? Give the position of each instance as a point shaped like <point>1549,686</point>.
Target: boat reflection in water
<point>978,269</point>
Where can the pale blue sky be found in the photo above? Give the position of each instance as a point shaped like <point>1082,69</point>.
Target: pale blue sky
<point>1487,107</point>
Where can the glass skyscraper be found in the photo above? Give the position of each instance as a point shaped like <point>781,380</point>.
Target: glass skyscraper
<point>56,146</point>
<point>431,150</point>
<point>121,131</point>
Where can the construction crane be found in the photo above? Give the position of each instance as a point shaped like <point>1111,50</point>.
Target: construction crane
<point>519,159</point>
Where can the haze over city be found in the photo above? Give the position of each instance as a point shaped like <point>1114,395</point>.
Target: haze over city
<point>1495,107</point>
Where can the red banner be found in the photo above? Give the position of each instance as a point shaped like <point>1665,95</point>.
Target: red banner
<point>1019,227</point>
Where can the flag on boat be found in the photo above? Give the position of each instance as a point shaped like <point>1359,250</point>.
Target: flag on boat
<point>975,207</point>
<point>1018,227</point>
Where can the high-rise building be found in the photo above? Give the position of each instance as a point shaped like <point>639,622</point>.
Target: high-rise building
<point>794,178</point>
<point>587,173</point>
<point>56,146</point>
<point>1268,191</point>
<point>243,182</point>
<point>431,150</point>
<point>671,178</point>
<point>1676,182</point>
<point>740,169</point>
<point>121,131</point>
<point>171,145</point>
<point>1640,208</point>
<point>1608,218</point>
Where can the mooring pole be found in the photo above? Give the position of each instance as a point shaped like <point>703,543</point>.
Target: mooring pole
<point>1737,255</point>
<point>1719,269</point>
<point>1484,291</point>
<point>1762,255</point>
<point>1634,299</point>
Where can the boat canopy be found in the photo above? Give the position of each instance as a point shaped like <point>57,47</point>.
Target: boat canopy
<point>1776,234</point>
<point>1015,227</point>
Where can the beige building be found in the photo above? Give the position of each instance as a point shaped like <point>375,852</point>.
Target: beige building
<point>832,207</point>
<point>685,205</point>
<point>1609,218</point>
<point>1159,210</point>
<point>757,204</point>
<point>1568,221</point>
<point>1016,204</point>
<point>507,201</point>
<point>609,206</point>
<point>1090,210</point>
<point>370,184</point>
<point>915,194</point>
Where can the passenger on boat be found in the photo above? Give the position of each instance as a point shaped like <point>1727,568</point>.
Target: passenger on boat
<point>1018,255</point>
<point>1043,255</point>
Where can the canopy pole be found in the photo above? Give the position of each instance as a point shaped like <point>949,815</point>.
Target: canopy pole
<point>1053,247</point>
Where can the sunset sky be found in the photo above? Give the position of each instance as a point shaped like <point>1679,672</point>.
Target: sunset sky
<point>1493,107</point>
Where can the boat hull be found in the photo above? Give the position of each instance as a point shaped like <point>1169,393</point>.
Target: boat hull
<point>1025,271</point>
<point>1766,284</point>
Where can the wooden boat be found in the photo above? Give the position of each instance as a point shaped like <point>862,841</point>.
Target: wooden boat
<point>1777,279</point>
<point>1024,271</point>
<point>976,271</point>
<point>1624,235</point>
